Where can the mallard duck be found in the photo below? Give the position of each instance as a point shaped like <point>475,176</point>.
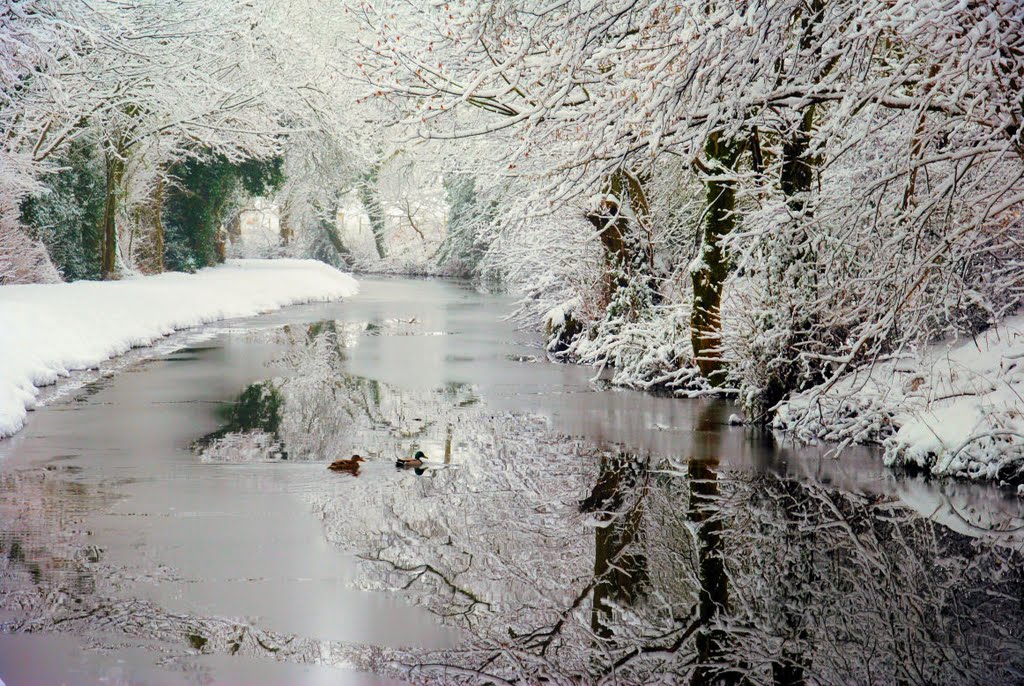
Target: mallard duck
<point>415,461</point>
<point>349,465</point>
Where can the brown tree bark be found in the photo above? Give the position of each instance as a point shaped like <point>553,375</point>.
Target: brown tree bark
<point>712,264</point>
<point>114,164</point>
<point>158,225</point>
<point>623,253</point>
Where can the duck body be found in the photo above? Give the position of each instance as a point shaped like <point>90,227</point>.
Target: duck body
<point>349,465</point>
<point>415,461</point>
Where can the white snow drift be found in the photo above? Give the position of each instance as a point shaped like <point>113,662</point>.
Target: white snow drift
<point>956,408</point>
<point>49,330</point>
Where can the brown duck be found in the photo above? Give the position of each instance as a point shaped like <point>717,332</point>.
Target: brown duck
<point>349,465</point>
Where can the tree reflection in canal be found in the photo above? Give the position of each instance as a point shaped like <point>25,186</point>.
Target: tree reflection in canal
<point>711,639</point>
<point>318,412</point>
<point>689,573</point>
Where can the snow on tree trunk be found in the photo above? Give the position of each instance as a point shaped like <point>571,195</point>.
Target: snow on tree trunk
<point>115,172</point>
<point>792,279</point>
<point>711,266</point>
<point>158,225</point>
<point>371,203</point>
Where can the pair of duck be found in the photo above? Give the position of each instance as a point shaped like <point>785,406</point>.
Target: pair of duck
<point>352,464</point>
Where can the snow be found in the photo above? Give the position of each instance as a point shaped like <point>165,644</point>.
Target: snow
<point>558,315</point>
<point>49,330</point>
<point>955,408</point>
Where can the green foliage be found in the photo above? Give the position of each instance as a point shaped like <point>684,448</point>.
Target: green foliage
<point>201,198</point>
<point>462,250</point>
<point>257,408</point>
<point>68,214</point>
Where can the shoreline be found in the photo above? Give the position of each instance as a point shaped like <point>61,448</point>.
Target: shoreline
<point>50,331</point>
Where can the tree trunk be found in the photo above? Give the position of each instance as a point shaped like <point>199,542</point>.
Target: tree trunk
<point>626,254</point>
<point>797,165</point>
<point>795,180</point>
<point>220,244</point>
<point>158,225</point>
<point>114,163</point>
<point>711,265</point>
<point>331,229</point>
<point>286,230</point>
<point>792,275</point>
<point>376,215</point>
<point>220,236</point>
<point>916,148</point>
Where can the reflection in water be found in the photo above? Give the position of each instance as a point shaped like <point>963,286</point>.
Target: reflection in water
<point>318,412</point>
<point>252,428</point>
<point>545,550</point>
<point>692,572</point>
<point>713,595</point>
<point>619,566</point>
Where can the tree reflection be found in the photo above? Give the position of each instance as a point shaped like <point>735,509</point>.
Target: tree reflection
<point>319,412</point>
<point>713,594</point>
<point>620,568</point>
<point>252,427</point>
<point>568,562</point>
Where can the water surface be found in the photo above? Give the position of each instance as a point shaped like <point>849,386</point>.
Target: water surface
<point>175,523</point>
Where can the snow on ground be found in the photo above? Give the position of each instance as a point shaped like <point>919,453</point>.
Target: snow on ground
<point>954,409</point>
<point>49,330</point>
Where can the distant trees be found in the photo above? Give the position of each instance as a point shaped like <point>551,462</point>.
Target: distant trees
<point>197,203</point>
<point>317,172</point>
<point>153,84</point>
<point>469,215</point>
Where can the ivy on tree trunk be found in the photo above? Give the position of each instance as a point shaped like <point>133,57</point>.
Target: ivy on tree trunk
<point>158,225</point>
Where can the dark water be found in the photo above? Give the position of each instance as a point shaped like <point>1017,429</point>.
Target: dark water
<point>175,523</point>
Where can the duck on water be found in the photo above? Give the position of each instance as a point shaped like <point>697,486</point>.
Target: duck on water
<point>415,461</point>
<point>349,465</point>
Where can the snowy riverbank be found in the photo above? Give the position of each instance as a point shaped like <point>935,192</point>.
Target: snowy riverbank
<point>954,409</point>
<point>49,330</point>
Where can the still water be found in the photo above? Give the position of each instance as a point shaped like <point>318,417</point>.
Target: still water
<point>175,523</point>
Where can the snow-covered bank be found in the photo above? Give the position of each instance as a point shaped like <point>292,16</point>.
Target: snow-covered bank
<point>49,330</point>
<point>954,409</point>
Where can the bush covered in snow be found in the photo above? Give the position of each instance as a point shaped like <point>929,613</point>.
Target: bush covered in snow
<point>950,408</point>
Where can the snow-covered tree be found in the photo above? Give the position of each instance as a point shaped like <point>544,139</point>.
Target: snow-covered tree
<point>861,171</point>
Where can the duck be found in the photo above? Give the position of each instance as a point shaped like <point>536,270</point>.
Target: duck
<point>349,465</point>
<point>415,461</point>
